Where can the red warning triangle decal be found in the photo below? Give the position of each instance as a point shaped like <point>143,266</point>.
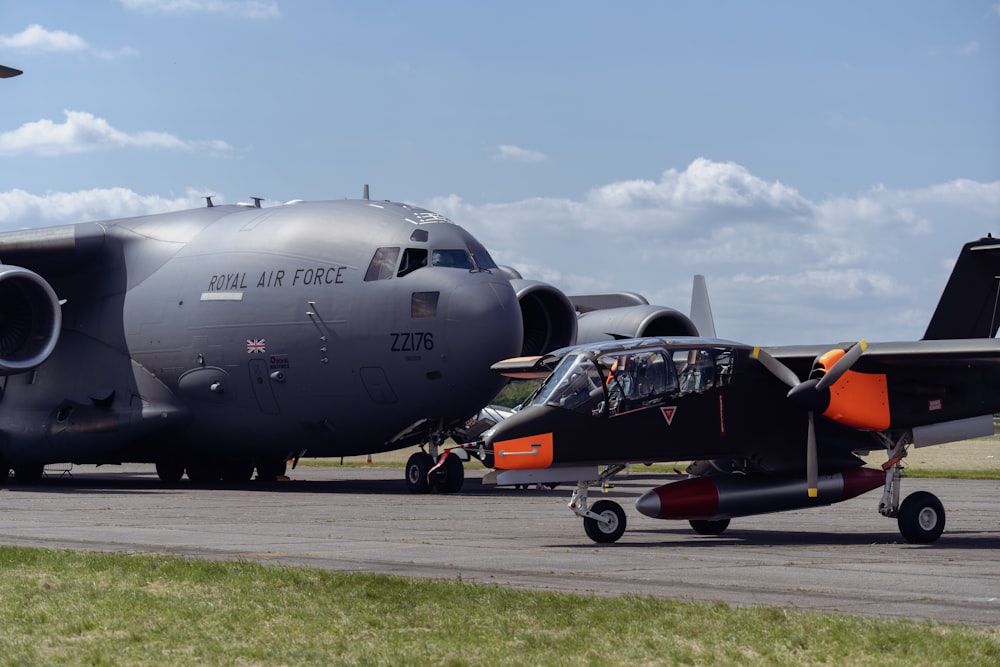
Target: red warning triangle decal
<point>668,413</point>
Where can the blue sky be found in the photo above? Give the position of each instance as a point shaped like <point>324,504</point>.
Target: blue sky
<point>821,164</point>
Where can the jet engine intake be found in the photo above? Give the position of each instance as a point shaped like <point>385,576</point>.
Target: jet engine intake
<point>633,322</point>
<point>30,319</point>
<point>548,316</point>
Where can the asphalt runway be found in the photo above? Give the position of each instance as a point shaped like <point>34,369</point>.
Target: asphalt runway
<point>843,558</point>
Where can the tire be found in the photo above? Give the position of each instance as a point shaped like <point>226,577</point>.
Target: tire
<point>29,474</point>
<point>204,472</point>
<point>605,533</point>
<point>449,477</point>
<point>169,472</point>
<point>705,527</point>
<point>270,471</point>
<point>237,471</point>
<point>417,467</point>
<point>921,518</point>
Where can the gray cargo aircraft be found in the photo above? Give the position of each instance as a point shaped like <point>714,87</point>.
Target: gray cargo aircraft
<point>225,339</point>
<point>218,340</point>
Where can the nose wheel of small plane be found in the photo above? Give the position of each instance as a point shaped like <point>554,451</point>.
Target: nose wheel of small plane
<point>610,524</point>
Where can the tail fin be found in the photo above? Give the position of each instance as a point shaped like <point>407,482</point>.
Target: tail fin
<point>701,308</point>
<point>969,305</point>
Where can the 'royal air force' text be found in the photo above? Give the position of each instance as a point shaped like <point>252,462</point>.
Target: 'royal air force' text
<point>312,276</point>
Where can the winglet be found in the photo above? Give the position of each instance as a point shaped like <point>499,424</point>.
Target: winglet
<point>701,308</point>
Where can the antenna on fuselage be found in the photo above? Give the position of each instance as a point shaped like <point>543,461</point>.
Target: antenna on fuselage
<point>208,201</point>
<point>257,201</point>
<point>364,195</point>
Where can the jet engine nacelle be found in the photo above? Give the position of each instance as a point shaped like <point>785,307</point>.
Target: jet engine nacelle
<point>548,316</point>
<point>30,319</point>
<point>633,322</point>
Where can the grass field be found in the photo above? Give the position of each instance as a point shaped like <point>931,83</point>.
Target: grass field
<point>70,608</point>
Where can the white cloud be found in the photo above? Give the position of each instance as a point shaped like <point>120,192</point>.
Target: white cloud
<point>781,268</point>
<point>250,9</point>
<point>83,132</point>
<point>20,209</point>
<point>510,153</point>
<point>36,39</point>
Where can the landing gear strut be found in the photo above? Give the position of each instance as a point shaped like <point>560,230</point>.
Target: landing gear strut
<point>605,521</point>
<point>920,517</point>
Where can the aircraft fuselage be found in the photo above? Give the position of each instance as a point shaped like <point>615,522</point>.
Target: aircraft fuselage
<point>328,328</point>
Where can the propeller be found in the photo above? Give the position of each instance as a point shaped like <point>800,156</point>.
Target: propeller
<point>812,394</point>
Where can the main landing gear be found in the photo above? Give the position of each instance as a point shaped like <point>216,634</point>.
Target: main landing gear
<point>920,516</point>
<point>212,471</point>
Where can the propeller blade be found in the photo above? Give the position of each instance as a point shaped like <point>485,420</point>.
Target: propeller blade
<point>812,465</point>
<point>843,365</point>
<point>778,369</point>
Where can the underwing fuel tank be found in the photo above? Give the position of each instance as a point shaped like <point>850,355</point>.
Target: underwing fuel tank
<point>726,496</point>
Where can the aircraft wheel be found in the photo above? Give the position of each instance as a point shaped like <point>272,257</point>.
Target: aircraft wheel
<point>449,477</point>
<point>605,532</point>
<point>28,474</point>
<point>270,471</point>
<point>704,527</point>
<point>417,467</point>
<point>169,471</point>
<point>237,471</point>
<point>921,518</point>
<point>204,472</point>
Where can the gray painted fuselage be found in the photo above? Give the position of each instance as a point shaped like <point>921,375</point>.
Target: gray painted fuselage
<point>255,333</point>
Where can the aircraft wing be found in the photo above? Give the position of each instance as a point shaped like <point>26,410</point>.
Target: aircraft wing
<point>908,384</point>
<point>886,357</point>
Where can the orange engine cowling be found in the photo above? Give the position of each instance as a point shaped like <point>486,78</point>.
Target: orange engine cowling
<point>858,400</point>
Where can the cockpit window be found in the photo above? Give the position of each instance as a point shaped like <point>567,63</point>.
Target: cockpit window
<point>646,378</point>
<point>637,380</point>
<point>482,258</point>
<point>413,259</point>
<point>382,264</point>
<point>575,384</point>
<point>456,259</point>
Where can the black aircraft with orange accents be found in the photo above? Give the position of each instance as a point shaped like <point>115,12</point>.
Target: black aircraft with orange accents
<point>766,430</point>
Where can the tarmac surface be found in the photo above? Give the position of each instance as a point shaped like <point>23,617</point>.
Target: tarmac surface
<point>845,558</point>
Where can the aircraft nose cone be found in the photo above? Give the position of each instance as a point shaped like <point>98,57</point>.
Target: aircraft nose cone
<point>484,322</point>
<point>484,326</point>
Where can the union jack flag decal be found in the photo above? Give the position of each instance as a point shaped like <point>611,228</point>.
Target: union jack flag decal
<point>256,346</point>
